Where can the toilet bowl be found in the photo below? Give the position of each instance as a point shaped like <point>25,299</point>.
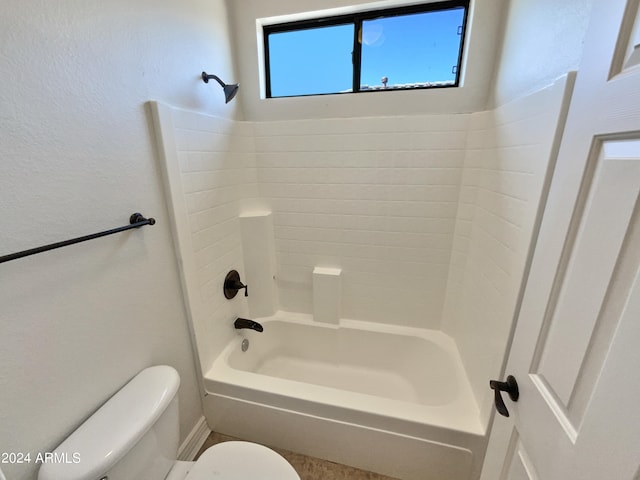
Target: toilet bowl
<point>134,436</point>
<point>241,461</point>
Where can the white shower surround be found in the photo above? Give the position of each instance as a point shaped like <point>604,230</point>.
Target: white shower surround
<point>375,197</point>
<point>344,193</point>
<point>510,155</point>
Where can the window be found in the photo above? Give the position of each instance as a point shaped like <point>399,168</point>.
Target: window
<point>418,46</point>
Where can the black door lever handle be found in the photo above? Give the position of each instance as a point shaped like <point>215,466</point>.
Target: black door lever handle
<point>511,387</point>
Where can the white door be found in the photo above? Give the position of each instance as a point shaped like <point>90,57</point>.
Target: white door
<point>576,347</point>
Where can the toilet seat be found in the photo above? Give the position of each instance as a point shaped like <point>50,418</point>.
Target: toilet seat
<point>241,461</point>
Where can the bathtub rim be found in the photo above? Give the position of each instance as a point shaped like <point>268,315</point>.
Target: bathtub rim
<point>352,336</point>
<point>421,421</point>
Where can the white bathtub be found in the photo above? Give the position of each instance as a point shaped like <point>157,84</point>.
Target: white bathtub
<point>392,400</point>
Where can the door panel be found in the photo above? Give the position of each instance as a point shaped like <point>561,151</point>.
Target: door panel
<point>597,241</point>
<point>627,53</point>
<point>575,349</point>
<point>518,466</point>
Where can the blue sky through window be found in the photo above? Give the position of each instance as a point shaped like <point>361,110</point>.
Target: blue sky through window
<point>415,48</point>
<point>312,61</point>
<point>409,49</point>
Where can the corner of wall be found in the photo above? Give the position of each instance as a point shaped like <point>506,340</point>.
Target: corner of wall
<point>167,156</point>
<point>528,61</point>
<point>509,153</point>
<point>209,172</point>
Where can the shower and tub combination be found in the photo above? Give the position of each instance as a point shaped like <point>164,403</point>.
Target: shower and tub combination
<point>386,398</point>
<point>329,375</point>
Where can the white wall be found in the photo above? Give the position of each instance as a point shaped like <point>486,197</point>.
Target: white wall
<point>376,197</point>
<point>508,153</point>
<point>78,156</point>
<point>482,39</point>
<point>542,41</point>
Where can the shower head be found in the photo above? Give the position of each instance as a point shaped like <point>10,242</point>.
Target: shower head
<point>229,90</point>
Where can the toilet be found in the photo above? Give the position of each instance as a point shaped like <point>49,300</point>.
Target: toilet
<point>135,435</point>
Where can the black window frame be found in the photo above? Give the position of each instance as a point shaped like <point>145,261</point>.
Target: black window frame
<point>356,20</point>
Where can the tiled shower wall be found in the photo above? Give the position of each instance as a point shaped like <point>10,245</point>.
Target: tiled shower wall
<point>376,197</point>
<point>429,217</point>
<point>212,177</point>
<point>508,154</point>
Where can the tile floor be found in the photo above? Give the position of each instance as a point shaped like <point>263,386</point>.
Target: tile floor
<point>309,468</point>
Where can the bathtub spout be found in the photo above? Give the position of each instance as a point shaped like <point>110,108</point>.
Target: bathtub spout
<point>246,323</point>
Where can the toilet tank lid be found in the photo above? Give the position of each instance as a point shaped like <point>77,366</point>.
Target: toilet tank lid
<point>106,436</point>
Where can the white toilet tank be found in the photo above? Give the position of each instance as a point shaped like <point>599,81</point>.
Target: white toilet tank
<point>134,435</point>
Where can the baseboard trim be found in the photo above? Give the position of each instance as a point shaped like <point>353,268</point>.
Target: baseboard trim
<point>191,445</point>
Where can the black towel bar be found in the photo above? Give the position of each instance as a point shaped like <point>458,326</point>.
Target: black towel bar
<point>135,221</point>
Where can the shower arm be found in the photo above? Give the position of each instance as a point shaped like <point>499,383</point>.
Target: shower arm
<point>206,77</point>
